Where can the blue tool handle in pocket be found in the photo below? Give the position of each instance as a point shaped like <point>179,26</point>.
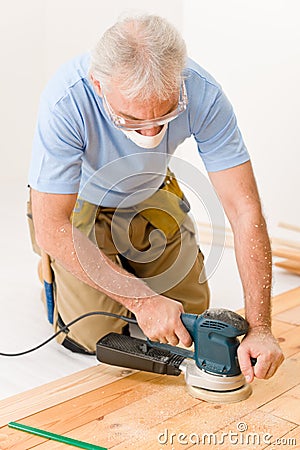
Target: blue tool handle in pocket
<point>48,284</point>
<point>49,300</point>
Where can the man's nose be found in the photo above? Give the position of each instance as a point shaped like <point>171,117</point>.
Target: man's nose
<point>150,131</point>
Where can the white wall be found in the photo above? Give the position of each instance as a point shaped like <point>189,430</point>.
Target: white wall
<point>253,49</point>
<point>21,79</point>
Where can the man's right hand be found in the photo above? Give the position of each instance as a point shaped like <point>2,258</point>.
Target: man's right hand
<point>159,318</point>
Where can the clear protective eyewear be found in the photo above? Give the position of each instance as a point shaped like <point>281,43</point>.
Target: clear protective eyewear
<point>136,124</point>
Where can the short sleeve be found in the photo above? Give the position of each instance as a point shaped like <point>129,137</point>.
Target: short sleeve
<point>58,147</point>
<point>219,140</point>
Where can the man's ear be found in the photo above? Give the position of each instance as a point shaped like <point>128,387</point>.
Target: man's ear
<point>96,84</point>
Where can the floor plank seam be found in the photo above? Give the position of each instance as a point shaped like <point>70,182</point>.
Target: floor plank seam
<point>286,420</point>
<point>277,396</point>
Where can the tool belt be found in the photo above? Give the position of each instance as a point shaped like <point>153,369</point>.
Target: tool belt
<point>166,209</point>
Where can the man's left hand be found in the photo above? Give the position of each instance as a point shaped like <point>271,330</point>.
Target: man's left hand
<point>259,343</point>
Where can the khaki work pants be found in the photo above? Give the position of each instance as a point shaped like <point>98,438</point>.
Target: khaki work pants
<point>74,298</point>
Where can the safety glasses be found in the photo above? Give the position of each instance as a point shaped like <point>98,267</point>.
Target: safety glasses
<point>136,124</point>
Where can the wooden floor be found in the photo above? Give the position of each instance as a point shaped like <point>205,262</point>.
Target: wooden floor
<point>119,409</point>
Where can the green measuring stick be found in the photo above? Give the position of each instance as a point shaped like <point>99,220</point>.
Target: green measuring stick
<point>55,437</point>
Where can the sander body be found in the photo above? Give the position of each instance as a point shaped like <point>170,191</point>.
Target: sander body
<point>211,371</point>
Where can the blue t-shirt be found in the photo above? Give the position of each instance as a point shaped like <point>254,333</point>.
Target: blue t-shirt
<point>77,148</point>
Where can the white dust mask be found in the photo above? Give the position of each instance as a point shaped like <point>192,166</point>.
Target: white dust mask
<point>146,141</point>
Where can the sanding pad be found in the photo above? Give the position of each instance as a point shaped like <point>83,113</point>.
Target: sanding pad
<point>220,397</point>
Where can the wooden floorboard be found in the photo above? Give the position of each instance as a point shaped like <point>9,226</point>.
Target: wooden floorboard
<point>291,316</point>
<point>286,405</point>
<point>113,408</point>
<point>56,392</point>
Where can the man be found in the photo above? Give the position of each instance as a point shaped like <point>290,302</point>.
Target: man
<point>111,215</point>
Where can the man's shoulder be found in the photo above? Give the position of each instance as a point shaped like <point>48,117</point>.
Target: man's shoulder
<point>195,72</point>
<point>68,78</point>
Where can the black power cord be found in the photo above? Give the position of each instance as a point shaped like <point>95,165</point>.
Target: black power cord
<point>65,329</point>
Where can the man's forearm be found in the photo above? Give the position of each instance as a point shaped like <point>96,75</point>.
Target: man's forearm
<point>254,259</point>
<point>238,192</point>
<point>81,257</point>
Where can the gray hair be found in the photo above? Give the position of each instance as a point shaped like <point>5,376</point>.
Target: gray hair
<point>145,55</point>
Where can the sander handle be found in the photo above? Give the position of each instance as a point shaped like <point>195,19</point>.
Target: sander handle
<point>214,333</point>
<point>221,321</point>
<point>133,353</point>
